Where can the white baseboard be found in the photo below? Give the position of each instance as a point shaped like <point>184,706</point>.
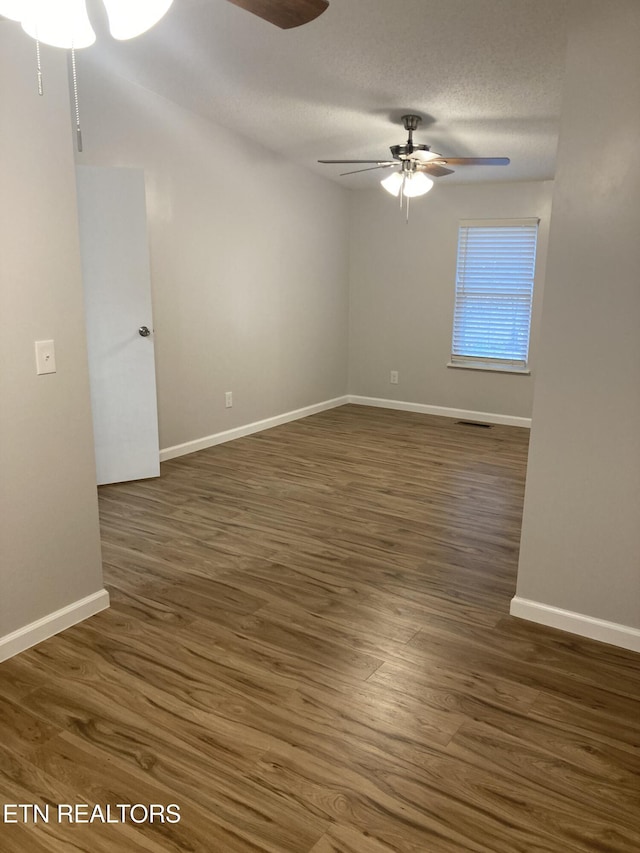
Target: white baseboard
<point>257,426</point>
<point>248,429</point>
<point>22,639</point>
<point>459,414</point>
<point>577,623</point>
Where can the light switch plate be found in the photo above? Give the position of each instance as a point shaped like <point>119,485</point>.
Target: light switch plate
<point>45,357</point>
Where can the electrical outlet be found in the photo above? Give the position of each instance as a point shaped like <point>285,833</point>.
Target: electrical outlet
<point>45,357</point>
<point>228,399</point>
<point>395,377</point>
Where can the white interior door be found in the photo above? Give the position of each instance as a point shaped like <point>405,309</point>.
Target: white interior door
<point>117,285</point>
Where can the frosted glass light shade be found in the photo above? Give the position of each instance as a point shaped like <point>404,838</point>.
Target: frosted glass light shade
<point>64,23</point>
<point>128,19</point>
<point>393,183</point>
<point>412,184</point>
<point>12,9</point>
<point>416,183</point>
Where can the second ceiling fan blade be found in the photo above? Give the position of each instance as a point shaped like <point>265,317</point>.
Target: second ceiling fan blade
<point>370,169</point>
<point>377,162</point>
<point>434,169</point>
<point>284,13</point>
<point>475,161</point>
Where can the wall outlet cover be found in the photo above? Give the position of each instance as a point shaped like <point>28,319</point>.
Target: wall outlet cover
<point>45,357</point>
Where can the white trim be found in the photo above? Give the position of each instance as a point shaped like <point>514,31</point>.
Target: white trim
<point>22,639</point>
<point>459,414</point>
<point>490,367</point>
<point>613,633</point>
<point>257,426</point>
<point>499,223</point>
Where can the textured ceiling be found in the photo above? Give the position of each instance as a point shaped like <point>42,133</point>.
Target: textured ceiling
<point>485,74</point>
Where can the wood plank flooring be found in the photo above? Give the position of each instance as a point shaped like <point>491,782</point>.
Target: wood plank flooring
<point>309,651</point>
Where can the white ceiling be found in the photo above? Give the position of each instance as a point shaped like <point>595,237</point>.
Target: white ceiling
<point>485,74</point>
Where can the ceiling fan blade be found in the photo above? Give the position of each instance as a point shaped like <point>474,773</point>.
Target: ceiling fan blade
<point>377,162</point>
<point>284,13</point>
<point>370,169</point>
<point>423,156</point>
<point>434,169</point>
<point>475,161</point>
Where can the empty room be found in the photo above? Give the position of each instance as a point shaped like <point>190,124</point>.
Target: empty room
<point>319,426</point>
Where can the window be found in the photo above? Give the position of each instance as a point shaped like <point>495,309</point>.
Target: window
<point>494,293</point>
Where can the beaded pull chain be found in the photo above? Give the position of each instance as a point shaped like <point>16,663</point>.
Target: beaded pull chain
<point>75,99</point>
<point>74,75</point>
<point>39,67</point>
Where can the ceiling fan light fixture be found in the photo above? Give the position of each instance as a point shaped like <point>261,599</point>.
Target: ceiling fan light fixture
<point>416,184</point>
<point>393,183</point>
<point>64,23</point>
<point>129,19</point>
<point>12,9</point>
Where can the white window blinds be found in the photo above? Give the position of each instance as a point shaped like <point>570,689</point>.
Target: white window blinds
<point>494,291</point>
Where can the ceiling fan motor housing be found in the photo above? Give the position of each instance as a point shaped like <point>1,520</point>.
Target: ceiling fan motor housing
<point>400,152</point>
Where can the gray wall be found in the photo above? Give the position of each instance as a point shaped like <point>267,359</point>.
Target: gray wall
<point>581,529</point>
<point>249,262</point>
<point>402,293</point>
<point>49,537</point>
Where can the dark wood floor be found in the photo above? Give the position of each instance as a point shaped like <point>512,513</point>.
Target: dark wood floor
<point>309,651</point>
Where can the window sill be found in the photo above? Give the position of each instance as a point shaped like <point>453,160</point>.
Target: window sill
<point>491,368</point>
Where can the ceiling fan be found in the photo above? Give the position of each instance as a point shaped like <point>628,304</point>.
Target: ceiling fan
<point>67,23</point>
<point>416,164</point>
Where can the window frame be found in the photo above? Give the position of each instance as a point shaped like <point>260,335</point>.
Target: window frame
<point>487,362</point>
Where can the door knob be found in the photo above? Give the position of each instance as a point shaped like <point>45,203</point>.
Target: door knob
<point>144,331</point>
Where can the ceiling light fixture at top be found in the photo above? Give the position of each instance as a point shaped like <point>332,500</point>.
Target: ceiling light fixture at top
<point>66,24</point>
<point>12,9</point>
<point>128,19</point>
<point>411,184</point>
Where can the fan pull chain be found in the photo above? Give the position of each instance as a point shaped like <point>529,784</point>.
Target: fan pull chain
<point>404,197</point>
<point>39,67</point>
<point>75,99</point>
